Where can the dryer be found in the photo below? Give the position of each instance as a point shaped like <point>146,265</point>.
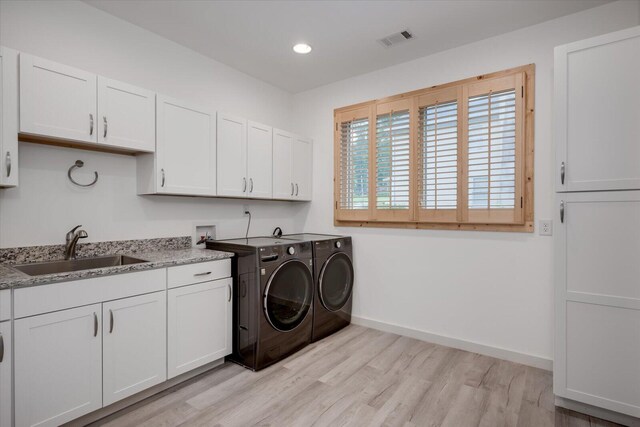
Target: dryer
<point>273,298</point>
<point>333,279</point>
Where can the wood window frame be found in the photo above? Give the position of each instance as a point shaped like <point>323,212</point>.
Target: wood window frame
<point>520,219</point>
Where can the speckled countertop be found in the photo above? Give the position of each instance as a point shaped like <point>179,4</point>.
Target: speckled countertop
<point>158,253</point>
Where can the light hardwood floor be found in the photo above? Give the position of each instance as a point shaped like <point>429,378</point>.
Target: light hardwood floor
<point>362,377</point>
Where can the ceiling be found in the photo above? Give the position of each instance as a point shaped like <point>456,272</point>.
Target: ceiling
<point>256,37</point>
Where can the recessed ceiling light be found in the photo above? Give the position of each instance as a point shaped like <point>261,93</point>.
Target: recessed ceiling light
<point>302,48</point>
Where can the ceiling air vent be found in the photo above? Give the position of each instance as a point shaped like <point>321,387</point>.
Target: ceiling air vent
<point>396,38</point>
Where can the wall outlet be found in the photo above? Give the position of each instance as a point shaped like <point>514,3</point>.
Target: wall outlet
<point>545,227</point>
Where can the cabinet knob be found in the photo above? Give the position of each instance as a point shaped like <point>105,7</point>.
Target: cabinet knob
<point>104,119</point>
<point>162,171</point>
<point>1,348</point>
<point>562,211</point>
<point>562,173</point>
<point>90,124</point>
<point>244,185</point>
<point>95,324</point>
<point>110,321</point>
<point>292,188</point>
<point>296,189</point>
<point>250,185</point>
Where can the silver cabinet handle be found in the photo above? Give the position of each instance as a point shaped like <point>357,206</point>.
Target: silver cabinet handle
<point>162,171</point>
<point>292,188</point>
<point>296,189</point>
<point>110,321</point>
<point>206,273</point>
<point>1,348</point>
<point>250,185</point>
<point>562,211</point>
<point>90,124</point>
<point>95,324</point>
<point>7,161</point>
<point>104,119</point>
<point>244,184</point>
<point>229,286</point>
<point>562,173</point>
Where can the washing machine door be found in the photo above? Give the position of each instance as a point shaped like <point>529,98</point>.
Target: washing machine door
<point>288,295</point>
<point>336,281</point>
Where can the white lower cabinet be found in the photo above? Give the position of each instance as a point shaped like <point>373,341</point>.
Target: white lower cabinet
<point>5,374</point>
<point>199,319</point>
<point>58,366</point>
<point>134,345</point>
<point>597,351</point>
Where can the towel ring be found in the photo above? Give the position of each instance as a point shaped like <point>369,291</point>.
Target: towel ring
<point>79,164</point>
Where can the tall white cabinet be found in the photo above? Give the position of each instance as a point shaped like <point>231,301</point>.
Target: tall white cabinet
<point>8,117</point>
<point>597,240</point>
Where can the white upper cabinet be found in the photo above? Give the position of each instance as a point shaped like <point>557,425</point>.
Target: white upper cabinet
<point>185,160</point>
<point>58,366</point>
<point>259,161</point>
<point>302,158</point>
<point>597,113</point>
<point>63,103</point>
<point>244,158</point>
<point>292,166</point>
<point>134,334</point>
<point>5,374</point>
<point>232,156</point>
<point>8,117</point>
<point>56,100</point>
<point>126,116</point>
<point>283,187</point>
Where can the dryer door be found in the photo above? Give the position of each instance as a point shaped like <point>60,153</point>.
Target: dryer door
<point>288,295</point>
<point>336,281</point>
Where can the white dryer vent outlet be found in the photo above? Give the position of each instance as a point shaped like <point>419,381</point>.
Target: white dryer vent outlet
<point>396,38</point>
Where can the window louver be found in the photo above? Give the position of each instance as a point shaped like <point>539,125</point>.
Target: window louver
<point>438,156</point>
<point>354,164</point>
<point>492,150</point>
<point>392,160</point>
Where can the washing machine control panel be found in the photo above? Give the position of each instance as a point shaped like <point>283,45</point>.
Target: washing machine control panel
<point>291,250</point>
<point>338,244</point>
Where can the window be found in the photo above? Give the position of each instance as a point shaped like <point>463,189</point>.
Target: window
<point>455,156</point>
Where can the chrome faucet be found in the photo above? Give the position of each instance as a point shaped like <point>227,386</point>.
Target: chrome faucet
<point>72,241</point>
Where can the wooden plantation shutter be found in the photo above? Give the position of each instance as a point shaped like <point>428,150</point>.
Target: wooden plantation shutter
<point>494,150</point>
<point>393,161</point>
<point>353,163</point>
<point>437,152</point>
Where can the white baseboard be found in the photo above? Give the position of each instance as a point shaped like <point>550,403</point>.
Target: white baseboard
<point>594,411</point>
<point>487,350</point>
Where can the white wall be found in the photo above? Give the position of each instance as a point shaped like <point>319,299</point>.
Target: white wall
<point>491,288</point>
<point>46,205</point>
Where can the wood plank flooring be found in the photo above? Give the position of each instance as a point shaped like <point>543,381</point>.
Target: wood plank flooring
<point>362,377</point>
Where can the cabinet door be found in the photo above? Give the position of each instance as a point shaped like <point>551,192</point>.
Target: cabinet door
<point>56,100</point>
<point>5,374</point>
<point>126,116</point>
<point>232,156</point>
<point>302,168</point>
<point>199,325</point>
<point>58,366</point>
<point>8,117</point>
<point>283,186</point>
<point>597,106</point>
<point>185,149</point>
<point>134,341</point>
<point>259,162</point>
<point>597,358</point>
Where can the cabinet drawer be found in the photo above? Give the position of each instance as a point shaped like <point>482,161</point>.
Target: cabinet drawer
<point>60,296</point>
<point>5,305</point>
<point>199,272</point>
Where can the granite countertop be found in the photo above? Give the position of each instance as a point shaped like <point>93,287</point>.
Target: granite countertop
<point>170,254</point>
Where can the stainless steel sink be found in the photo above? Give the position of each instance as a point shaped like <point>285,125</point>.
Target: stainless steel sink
<point>65,266</point>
